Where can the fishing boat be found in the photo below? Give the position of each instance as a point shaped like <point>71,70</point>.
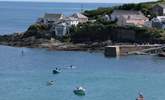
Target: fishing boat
<point>80,91</point>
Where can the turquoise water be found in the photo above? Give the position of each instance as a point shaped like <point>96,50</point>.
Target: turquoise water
<point>17,16</point>
<point>25,77</point>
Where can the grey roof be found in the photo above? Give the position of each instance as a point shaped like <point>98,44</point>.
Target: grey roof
<point>78,15</point>
<point>126,12</point>
<point>52,16</point>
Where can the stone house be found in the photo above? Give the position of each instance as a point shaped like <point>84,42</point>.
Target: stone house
<point>128,17</point>
<point>118,13</point>
<point>133,20</point>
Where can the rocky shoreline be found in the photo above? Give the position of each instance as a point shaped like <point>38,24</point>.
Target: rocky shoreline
<point>19,40</point>
<point>39,41</point>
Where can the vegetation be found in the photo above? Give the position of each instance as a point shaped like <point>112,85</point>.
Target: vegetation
<point>94,14</point>
<point>144,7</point>
<point>99,32</point>
<point>102,30</point>
<point>38,31</point>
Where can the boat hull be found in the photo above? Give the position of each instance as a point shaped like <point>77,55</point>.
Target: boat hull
<point>55,72</point>
<point>79,92</point>
<point>161,55</point>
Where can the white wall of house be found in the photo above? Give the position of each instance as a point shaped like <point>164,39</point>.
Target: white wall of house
<point>72,22</point>
<point>61,29</point>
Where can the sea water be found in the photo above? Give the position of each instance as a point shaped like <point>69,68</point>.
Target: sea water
<point>25,77</point>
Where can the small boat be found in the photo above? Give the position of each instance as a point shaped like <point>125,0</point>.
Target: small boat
<point>56,71</point>
<point>80,91</point>
<point>140,97</point>
<point>161,54</point>
<point>49,83</point>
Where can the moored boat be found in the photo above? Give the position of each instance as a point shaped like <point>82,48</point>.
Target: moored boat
<point>140,97</point>
<point>161,54</point>
<point>56,71</point>
<point>49,83</point>
<point>80,91</point>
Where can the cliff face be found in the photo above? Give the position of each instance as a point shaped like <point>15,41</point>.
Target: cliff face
<point>123,35</point>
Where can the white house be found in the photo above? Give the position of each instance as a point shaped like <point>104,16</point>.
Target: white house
<point>60,24</point>
<point>61,29</point>
<point>50,18</point>
<point>81,18</point>
<point>71,21</point>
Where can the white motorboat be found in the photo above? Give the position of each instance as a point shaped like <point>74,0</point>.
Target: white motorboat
<point>80,91</point>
